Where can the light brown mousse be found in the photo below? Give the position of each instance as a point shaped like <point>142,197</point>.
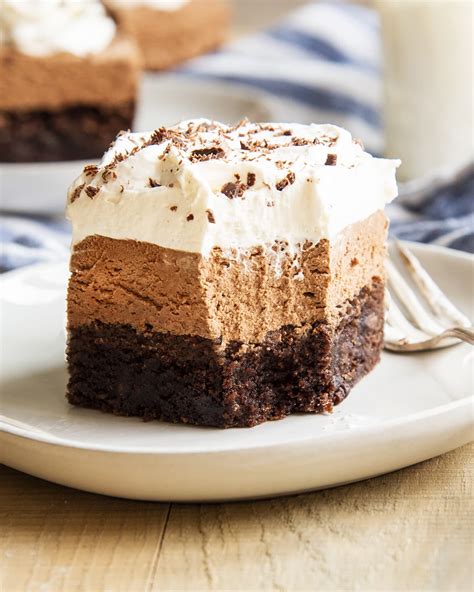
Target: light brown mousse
<point>63,80</point>
<point>233,299</point>
<point>167,38</point>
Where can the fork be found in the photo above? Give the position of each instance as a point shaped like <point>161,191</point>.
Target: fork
<point>427,320</point>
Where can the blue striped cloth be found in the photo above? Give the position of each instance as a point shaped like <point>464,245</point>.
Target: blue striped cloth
<point>324,59</point>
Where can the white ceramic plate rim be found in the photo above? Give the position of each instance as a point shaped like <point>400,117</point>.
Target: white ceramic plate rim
<point>368,431</point>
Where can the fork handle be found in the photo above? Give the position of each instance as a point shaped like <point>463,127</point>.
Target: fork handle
<point>462,333</point>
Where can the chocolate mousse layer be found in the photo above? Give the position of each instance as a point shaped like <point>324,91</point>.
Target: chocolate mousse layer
<point>224,341</point>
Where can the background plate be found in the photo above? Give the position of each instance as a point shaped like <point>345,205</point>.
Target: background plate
<point>164,99</point>
<point>409,409</point>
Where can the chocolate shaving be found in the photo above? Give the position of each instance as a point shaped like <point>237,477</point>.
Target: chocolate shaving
<point>233,190</point>
<point>190,217</point>
<point>174,208</point>
<point>91,191</point>
<point>203,154</point>
<point>288,180</point>
<point>77,192</point>
<point>251,178</point>
<point>91,170</point>
<point>300,142</point>
<point>243,146</point>
<point>331,159</point>
<point>243,122</point>
<point>158,137</point>
<point>153,183</point>
<point>210,216</point>
<point>265,128</point>
<point>329,140</point>
<point>119,158</point>
<point>162,134</point>
<point>205,127</point>
<point>107,174</point>
<point>165,152</point>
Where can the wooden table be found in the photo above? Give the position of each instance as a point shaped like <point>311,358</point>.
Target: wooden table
<point>411,530</point>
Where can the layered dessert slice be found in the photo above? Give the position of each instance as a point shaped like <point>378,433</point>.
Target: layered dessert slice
<point>225,276</point>
<point>68,80</point>
<point>171,31</point>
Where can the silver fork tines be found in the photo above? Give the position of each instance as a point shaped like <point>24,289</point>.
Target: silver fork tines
<point>429,320</point>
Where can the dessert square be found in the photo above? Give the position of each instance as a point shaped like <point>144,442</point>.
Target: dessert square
<point>68,81</point>
<point>171,31</point>
<point>227,275</point>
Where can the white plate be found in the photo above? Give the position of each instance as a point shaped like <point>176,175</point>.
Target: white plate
<point>409,409</point>
<point>164,99</point>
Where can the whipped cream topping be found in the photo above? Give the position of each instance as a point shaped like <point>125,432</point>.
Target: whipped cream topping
<point>45,27</point>
<point>166,5</point>
<point>202,184</point>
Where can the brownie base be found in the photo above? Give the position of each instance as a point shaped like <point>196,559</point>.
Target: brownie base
<point>74,133</point>
<point>194,380</point>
